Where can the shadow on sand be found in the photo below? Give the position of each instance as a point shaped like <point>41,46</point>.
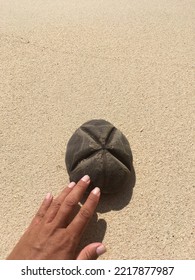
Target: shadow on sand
<point>97,228</point>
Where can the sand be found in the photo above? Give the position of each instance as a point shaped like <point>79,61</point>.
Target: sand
<point>131,63</point>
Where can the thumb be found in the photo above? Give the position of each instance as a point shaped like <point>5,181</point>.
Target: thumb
<point>91,251</point>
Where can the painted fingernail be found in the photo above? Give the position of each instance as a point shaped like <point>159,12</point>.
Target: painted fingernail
<point>85,178</point>
<point>71,185</point>
<point>48,196</point>
<point>96,191</point>
<point>101,250</point>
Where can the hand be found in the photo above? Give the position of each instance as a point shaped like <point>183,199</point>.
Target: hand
<point>53,234</point>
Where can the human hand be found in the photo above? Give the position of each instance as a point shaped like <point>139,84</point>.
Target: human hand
<point>52,234</point>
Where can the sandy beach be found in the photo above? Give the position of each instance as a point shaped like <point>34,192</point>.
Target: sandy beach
<point>131,63</point>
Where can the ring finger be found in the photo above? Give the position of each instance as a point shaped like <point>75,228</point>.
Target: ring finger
<point>56,203</point>
<point>71,201</point>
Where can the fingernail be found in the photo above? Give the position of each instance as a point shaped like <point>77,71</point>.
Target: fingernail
<point>96,191</point>
<point>72,184</point>
<point>85,178</point>
<point>48,196</point>
<point>101,250</point>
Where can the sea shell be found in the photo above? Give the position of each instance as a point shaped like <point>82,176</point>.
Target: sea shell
<point>99,149</point>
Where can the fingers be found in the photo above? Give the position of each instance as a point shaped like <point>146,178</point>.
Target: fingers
<point>42,210</point>
<point>70,202</point>
<point>79,223</point>
<point>53,209</point>
<point>92,251</point>
<point>63,206</point>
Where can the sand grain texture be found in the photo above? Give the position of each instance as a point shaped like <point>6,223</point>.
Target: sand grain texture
<point>63,63</point>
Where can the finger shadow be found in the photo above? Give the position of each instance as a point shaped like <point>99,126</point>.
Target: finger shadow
<point>94,232</point>
<point>96,229</point>
<point>118,200</point>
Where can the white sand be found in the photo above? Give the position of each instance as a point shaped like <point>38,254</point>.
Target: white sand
<point>130,62</point>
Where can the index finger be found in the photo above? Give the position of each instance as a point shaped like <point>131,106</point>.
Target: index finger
<point>79,223</point>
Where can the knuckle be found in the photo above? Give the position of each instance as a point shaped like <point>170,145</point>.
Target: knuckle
<point>39,215</point>
<point>85,213</point>
<point>55,206</point>
<point>88,255</point>
<point>70,202</point>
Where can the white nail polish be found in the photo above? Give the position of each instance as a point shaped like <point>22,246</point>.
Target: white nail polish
<point>71,185</point>
<point>85,178</point>
<point>96,191</point>
<point>101,250</point>
<point>48,196</point>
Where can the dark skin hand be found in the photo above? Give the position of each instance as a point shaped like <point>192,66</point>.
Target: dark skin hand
<point>53,235</point>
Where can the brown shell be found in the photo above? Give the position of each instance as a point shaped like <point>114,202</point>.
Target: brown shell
<point>99,149</point>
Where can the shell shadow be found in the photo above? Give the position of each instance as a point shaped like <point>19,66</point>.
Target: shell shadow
<point>96,229</point>
<point>94,232</point>
<point>118,200</point>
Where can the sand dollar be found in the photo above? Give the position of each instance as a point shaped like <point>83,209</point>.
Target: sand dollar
<point>99,149</point>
